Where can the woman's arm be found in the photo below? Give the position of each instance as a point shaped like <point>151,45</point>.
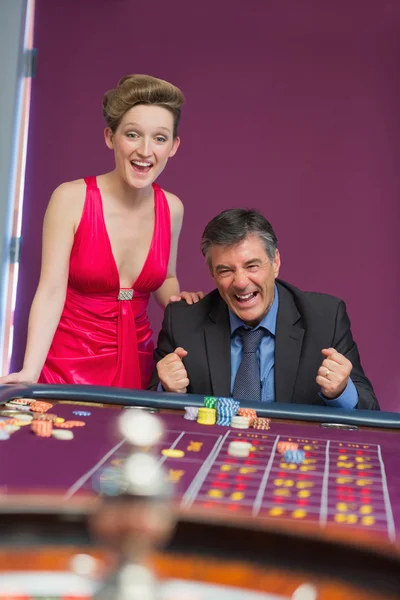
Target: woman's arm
<point>169,291</point>
<point>170,287</point>
<point>48,303</point>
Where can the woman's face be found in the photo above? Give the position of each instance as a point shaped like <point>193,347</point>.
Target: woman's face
<point>142,144</point>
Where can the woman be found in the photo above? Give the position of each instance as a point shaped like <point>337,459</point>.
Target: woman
<point>108,242</point>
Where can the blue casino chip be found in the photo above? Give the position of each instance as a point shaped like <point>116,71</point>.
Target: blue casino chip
<point>81,413</point>
<point>294,456</point>
<point>225,421</point>
<point>109,481</point>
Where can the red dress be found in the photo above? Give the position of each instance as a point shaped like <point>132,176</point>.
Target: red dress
<point>100,339</point>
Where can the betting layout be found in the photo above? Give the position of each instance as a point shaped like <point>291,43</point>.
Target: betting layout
<point>338,482</point>
<point>341,479</point>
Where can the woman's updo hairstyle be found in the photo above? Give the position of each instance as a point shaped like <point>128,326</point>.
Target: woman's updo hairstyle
<point>141,89</point>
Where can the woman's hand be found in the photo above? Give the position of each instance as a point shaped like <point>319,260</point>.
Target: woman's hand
<point>189,297</point>
<point>22,376</point>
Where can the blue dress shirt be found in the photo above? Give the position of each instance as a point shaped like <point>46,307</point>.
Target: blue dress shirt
<point>266,358</point>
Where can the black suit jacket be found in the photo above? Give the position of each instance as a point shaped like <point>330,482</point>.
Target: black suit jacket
<point>306,323</point>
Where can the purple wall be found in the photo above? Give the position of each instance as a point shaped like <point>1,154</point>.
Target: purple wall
<point>292,108</point>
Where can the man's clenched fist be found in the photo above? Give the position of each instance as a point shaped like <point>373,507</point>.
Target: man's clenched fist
<point>172,373</point>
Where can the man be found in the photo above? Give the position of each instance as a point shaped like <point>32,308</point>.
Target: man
<point>256,337</point>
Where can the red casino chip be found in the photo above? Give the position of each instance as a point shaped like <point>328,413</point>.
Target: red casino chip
<point>11,421</point>
<point>283,446</point>
<point>46,417</point>
<point>249,413</point>
<point>4,424</point>
<point>70,424</point>
<point>261,423</point>
<point>42,428</point>
<point>41,407</point>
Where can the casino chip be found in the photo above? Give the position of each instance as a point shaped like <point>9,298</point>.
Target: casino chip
<point>40,406</point>
<point>19,407</point>
<point>239,449</point>
<point>42,428</point>
<point>24,417</point>
<point>109,481</point>
<point>210,402</point>
<point>70,424</point>
<point>10,413</point>
<point>240,422</point>
<point>81,413</point>
<point>62,434</point>
<point>283,446</point>
<point>47,417</point>
<point>22,401</point>
<point>173,453</point>
<point>294,456</point>
<point>261,423</point>
<point>249,413</point>
<point>226,409</point>
<point>191,413</point>
<point>206,416</point>
<point>11,428</point>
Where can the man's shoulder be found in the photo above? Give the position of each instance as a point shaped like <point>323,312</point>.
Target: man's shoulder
<point>200,308</point>
<point>307,299</point>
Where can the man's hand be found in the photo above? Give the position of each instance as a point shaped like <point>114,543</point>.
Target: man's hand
<point>334,373</point>
<point>172,373</point>
<point>189,297</point>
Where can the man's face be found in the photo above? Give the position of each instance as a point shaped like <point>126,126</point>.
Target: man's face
<point>245,278</point>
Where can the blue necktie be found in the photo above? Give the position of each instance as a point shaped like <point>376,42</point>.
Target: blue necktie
<point>247,384</point>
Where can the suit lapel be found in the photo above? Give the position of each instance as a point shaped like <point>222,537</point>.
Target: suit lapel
<point>217,337</point>
<point>288,342</point>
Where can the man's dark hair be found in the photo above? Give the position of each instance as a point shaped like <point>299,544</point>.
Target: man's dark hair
<point>232,226</point>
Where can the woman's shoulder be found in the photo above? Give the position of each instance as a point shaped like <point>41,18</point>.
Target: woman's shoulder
<point>70,188</point>
<point>68,199</point>
<point>175,205</point>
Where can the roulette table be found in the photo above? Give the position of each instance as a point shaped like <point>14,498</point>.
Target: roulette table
<point>253,527</point>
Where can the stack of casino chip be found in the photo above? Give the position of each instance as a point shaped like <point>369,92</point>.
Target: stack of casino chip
<point>239,449</point>
<point>240,422</point>
<point>261,423</point>
<point>191,413</point>
<point>39,406</point>
<point>49,417</point>
<point>248,412</point>
<point>21,401</point>
<point>294,456</point>
<point>19,407</point>
<point>283,446</point>
<point>226,409</point>
<point>206,416</point>
<point>42,428</point>
<point>210,402</point>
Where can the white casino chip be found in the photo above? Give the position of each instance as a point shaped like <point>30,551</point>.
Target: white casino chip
<point>62,434</point>
<point>239,449</point>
